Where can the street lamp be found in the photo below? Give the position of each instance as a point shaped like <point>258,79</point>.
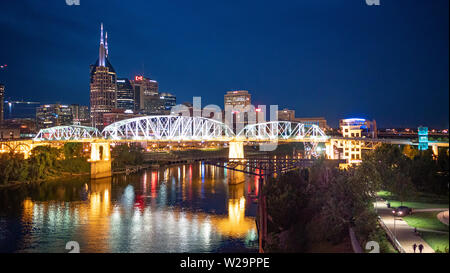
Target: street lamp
<point>395,233</point>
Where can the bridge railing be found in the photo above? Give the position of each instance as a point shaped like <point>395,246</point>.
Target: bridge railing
<point>170,128</point>
<point>70,132</point>
<point>282,130</point>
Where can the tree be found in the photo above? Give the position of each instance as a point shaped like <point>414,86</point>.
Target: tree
<point>73,150</point>
<point>43,162</point>
<point>402,187</point>
<point>286,197</point>
<point>13,167</point>
<point>410,151</point>
<point>127,155</point>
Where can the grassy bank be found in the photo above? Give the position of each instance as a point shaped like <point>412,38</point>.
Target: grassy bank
<point>419,201</point>
<point>438,241</point>
<point>426,220</point>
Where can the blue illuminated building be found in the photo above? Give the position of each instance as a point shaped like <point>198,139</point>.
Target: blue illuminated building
<point>423,138</point>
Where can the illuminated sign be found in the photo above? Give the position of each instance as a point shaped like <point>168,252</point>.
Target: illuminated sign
<point>139,78</point>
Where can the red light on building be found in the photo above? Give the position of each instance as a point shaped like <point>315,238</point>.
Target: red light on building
<point>258,109</point>
<point>139,78</point>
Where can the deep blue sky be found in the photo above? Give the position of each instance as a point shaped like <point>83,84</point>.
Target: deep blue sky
<point>331,58</point>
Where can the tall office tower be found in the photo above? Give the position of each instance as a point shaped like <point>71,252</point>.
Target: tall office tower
<point>145,91</point>
<point>103,85</point>
<point>125,94</point>
<point>237,98</point>
<point>80,114</point>
<point>2,101</point>
<point>51,115</point>
<point>169,100</point>
<point>237,109</point>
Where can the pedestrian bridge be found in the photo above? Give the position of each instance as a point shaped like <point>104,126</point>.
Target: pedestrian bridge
<point>180,128</point>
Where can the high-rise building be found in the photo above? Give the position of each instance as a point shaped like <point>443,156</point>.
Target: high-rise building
<point>125,94</point>
<point>237,109</point>
<point>367,128</point>
<point>145,91</point>
<point>50,115</point>
<point>80,114</point>
<point>2,102</point>
<point>154,105</point>
<point>237,98</point>
<point>286,115</point>
<point>289,115</point>
<point>169,100</point>
<point>103,85</point>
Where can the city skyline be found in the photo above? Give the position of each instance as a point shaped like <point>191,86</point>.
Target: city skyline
<point>390,69</point>
<point>217,134</point>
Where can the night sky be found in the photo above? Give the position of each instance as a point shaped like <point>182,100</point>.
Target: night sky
<point>331,58</point>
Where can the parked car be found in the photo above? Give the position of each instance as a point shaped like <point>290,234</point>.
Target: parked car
<point>401,211</point>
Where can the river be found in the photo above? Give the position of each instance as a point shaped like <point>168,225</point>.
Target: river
<point>184,208</point>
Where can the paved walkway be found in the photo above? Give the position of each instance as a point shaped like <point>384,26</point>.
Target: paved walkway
<point>443,217</point>
<point>405,234</point>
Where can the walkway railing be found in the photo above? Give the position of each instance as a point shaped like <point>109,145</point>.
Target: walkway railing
<point>391,236</point>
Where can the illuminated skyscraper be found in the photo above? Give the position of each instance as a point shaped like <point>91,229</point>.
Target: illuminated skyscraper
<point>125,94</point>
<point>169,100</point>
<point>51,115</point>
<point>238,105</point>
<point>240,98</point>
<point>145,93</point>
<point>80,114</point>
<point>103,85</point>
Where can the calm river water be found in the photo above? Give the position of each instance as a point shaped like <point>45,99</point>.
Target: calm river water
<point>185,208</point>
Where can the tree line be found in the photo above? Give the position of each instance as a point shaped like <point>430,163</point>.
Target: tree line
<point>44,162</point>
<point>311,207</point>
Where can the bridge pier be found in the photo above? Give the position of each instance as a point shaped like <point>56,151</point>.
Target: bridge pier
<point>100,160</point>
<point>435,150</point>
<point>329,150</point>
<point>236,150</point>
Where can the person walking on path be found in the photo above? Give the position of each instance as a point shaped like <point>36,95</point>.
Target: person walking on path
<point>420,248</point>
<point>414,247</point>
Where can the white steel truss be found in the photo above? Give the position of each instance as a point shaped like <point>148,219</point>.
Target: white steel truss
<point>70,132</point>
<point>180,128</point>
<point>282,130</point>
<point>167,128</point>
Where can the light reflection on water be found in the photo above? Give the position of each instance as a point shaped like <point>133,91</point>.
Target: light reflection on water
<point>187,208</point>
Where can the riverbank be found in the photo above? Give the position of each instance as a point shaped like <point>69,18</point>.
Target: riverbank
<point>12,185</point>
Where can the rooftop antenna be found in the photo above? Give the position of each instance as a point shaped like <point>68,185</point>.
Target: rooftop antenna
<point>106,44</point>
